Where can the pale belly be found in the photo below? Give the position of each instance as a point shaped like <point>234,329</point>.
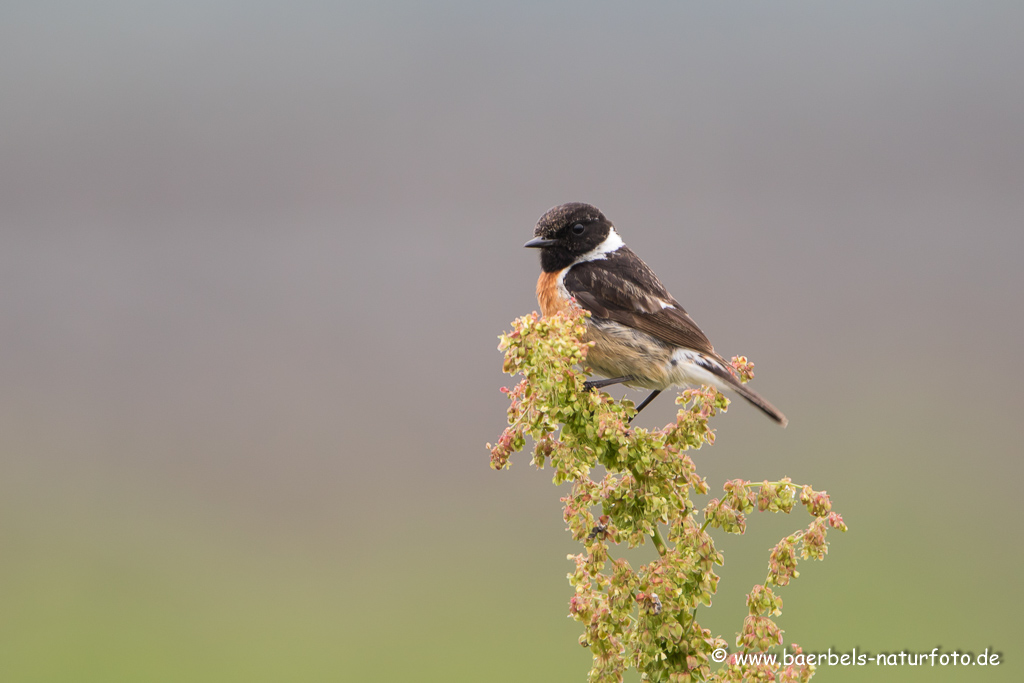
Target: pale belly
<point>621,351</point>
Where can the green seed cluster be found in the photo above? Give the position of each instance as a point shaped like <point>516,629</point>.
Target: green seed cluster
<point>627,486</point>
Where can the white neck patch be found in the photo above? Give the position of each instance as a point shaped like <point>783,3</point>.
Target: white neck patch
<point>611,243</point>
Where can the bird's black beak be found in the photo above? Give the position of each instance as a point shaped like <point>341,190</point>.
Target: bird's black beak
<point>539,243</point>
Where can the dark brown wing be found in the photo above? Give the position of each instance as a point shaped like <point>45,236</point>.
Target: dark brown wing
<point>622,288</point>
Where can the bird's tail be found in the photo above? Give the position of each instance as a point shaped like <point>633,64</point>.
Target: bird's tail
<point>723,371</point>
<point>756,399</point>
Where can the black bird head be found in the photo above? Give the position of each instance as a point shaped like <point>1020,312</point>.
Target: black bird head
<point>568,232</point>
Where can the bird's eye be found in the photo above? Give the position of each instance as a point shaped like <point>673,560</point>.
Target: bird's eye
<point>578,229</point>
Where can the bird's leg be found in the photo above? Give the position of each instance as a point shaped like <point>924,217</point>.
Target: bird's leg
<point>601,383</point>
<point>643,404</point>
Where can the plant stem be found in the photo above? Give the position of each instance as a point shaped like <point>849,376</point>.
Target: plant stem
<point>693,618</point>
<point>659,542</point>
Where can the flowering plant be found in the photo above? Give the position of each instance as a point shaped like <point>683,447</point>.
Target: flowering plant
<point>646,618</point>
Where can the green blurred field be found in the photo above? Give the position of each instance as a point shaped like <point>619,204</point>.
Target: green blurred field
<point>109,589</point>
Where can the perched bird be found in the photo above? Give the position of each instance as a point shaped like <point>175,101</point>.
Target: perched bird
<point>643,337</point>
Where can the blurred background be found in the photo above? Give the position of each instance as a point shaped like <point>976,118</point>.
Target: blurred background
<point>255,258</point>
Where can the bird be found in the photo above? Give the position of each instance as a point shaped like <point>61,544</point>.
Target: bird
<point>642,336</point>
